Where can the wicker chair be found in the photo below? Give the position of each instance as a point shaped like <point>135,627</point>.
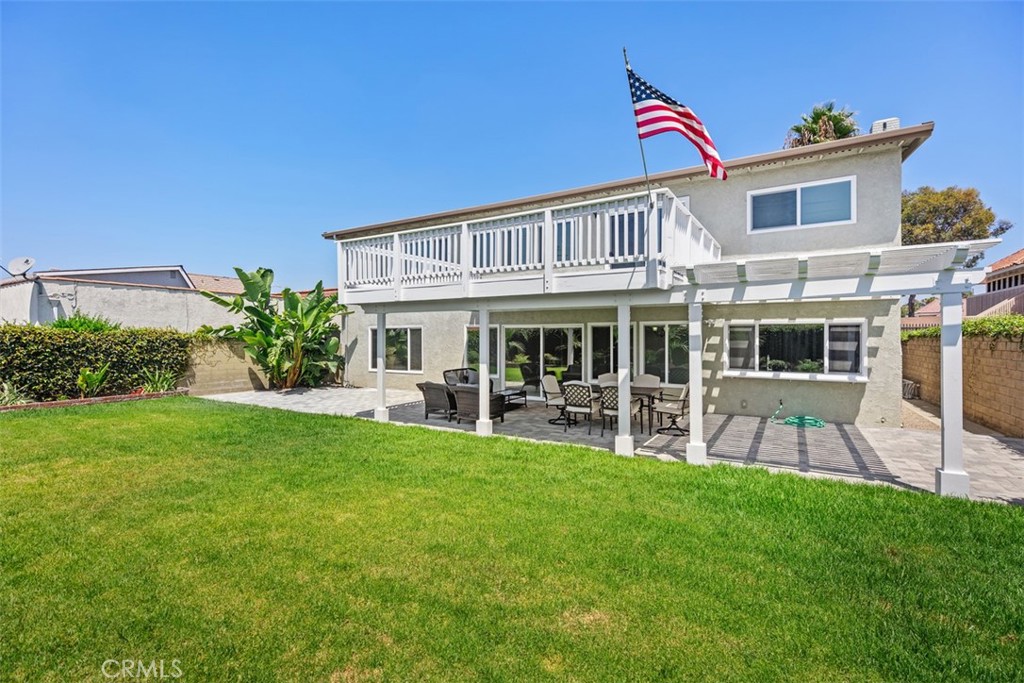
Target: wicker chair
<point>437,399</point>
<point>579,400</point>
<point>610,406</point>
<point>467,403</point>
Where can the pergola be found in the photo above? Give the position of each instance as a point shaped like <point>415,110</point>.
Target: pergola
<point>856,274</point>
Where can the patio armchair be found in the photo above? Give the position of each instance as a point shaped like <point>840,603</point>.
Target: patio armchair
<point>467,403</point>
<point>675,409</point>
<point>648,381</point>
<point>553,397</point>
<point>437,399</point>
<point>531,378</point>
<point>610,407</point>
<point>579,400</point>
<point>607,378</point>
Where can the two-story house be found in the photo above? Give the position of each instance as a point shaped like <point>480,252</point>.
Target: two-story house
<point>781,283</point>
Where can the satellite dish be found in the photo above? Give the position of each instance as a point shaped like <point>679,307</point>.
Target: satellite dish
<point>20,265</point>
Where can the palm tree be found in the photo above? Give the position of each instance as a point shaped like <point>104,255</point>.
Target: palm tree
<point>823,124</point>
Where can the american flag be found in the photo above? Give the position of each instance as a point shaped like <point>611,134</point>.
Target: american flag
<point>657,113</point>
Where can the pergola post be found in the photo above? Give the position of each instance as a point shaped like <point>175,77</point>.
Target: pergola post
<point>624,439</point>
<point>696,449</point>
<point>380,413</point>
<point>484,426</point>
<point>950,478</point>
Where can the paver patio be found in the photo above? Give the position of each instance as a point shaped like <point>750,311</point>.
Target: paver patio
<point>898,457</point>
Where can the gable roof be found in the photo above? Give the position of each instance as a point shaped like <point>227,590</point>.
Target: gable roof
<point>908,139</point>
<point>219,284</point>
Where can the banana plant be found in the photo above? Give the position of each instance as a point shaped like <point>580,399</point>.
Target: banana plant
<point>294,339</point>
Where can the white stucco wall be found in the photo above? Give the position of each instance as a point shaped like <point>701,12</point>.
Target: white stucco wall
<point>16,302</point>
<point>184,310</point>
<point>722,206</point>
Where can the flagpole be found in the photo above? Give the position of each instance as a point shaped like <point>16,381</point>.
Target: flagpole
<point>643,157</point>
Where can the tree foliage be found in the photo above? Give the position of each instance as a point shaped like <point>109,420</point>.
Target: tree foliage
<point>823,124</point>
<point>955,214</point>
<point>294,339</point>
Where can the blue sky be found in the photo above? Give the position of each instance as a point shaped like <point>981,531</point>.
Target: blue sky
<point>223,134</point>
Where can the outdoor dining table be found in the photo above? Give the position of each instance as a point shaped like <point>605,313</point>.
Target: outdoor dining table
<point>646,396</point>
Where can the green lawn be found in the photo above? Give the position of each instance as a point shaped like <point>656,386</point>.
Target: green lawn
<point>262,545</point>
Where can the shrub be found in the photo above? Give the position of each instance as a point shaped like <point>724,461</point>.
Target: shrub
<point>83,322</point>
<point>45,362</point>
<point>1009,326</point>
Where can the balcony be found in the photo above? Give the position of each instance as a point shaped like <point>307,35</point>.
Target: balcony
<point>603,245</point>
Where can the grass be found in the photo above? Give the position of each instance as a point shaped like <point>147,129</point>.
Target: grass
<point>255,545</point>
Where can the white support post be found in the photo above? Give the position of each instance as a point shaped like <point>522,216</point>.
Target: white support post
<point>484,425</point>
<point>624,439</point>
<point>696,449</point>
<point>951,479</point>
<point>548,245</point>
<point>380,413</point>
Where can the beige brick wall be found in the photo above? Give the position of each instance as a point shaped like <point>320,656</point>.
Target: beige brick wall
<point>993,379</point>
<point>222,367</point>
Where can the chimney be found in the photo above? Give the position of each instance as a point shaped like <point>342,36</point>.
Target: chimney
<point>883,125</point>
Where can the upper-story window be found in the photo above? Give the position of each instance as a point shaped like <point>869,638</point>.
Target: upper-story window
<point>822,202</point>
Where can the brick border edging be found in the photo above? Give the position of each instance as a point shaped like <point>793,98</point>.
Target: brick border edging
<point>93,401</point>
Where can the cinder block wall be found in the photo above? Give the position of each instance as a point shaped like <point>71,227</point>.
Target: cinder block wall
<point>220,368</point>
<point>993,379</point>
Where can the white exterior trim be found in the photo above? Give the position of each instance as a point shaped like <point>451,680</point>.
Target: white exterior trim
<point>798,186</point>
<point>824,376</point>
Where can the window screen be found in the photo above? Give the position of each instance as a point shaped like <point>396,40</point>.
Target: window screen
<point>774,210</point>
<point>825,203</point>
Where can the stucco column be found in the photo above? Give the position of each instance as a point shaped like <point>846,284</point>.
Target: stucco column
<point>484,426</point>
<point>951,479</point>
<point>380,413</point>
<point>624,439</point>
<point>696,449</point>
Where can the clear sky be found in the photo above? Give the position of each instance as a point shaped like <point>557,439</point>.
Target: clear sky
<point>223,134</point>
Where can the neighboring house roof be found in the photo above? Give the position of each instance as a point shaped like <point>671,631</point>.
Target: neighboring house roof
<point>219,284</point>
<point>908,139</point>
<point>1014,259</point>
<point>931,309</point>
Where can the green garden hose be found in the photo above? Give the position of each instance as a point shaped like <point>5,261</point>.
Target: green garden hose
<point>798,420</point>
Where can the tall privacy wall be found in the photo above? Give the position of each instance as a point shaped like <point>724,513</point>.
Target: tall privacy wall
<point>993,379</point>
<point>221,367</point>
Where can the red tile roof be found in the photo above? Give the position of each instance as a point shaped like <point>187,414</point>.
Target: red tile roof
<point>1014,259</point>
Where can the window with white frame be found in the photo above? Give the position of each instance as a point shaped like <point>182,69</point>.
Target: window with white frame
<point>824,202</point>
<point>808,348</point>
<point>666,352</point>
<point>604,349</point>
<point>403,349</point>
<point>473,349</point>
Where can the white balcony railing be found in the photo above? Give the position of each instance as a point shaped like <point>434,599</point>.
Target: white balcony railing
<point>585,238</point>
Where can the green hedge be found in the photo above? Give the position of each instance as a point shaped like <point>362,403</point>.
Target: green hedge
<point>1009,326</point>
<point>45,362</point>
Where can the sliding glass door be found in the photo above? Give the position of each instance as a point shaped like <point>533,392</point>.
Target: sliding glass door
<point>532,352</point>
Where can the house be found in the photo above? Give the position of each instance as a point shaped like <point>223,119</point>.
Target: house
<point>781,283</point>
<point>1004,288</point>
<point>143,296</point>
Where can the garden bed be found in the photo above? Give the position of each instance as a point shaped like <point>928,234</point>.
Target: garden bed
<point>90,401</point>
